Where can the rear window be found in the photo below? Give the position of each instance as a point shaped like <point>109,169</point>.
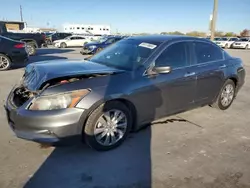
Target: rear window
<point>244,40</point>
<point>206,52</point>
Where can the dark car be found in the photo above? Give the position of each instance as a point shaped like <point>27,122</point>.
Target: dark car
<point>120,89</point>
<point>11,52</point>
<point>93,47</point>
<point>32,40</point>
<point>50,38</point>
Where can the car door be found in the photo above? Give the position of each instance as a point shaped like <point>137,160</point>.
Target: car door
<point>170,92</point>
<point>72,41</point>
<point>81,41</point>
<point>178,86</point>
<point>209,67</point>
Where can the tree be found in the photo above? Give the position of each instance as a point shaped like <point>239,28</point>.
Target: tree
<point>219,34</point>
<point>172,33</point>
<point>230,34</point>
<point>196,34</point>
<point>245,33</point>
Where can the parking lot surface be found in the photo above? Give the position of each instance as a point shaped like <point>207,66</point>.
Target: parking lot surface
<point>202,148</point>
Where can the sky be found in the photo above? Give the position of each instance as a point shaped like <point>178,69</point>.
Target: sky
<point>131,16</point>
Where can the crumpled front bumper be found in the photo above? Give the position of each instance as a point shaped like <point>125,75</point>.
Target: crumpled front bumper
<point>49,126</point>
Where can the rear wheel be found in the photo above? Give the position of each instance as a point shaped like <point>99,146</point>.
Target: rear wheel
<point>4,62</point>
<point>31,49</point>
<point>63,45</point>
<point>108,126</point>
<point>246,47</point>
<point>226,96</point>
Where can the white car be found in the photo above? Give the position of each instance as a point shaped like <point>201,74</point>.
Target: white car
<point>242,43</point>
<point>225,42</point>
<point>71,41</point>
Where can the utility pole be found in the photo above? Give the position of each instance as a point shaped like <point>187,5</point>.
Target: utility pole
<point>214,18</point>
<point>21,13</point>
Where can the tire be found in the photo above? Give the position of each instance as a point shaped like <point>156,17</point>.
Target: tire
<point>63,45</point>
<point>5,62</point>
<point>31,49</point>
<point>90,134</point>
<point>226,46</point>
<point>246,48</point>
<point>219,101</point>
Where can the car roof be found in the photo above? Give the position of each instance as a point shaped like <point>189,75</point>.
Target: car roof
<point>164,38</point>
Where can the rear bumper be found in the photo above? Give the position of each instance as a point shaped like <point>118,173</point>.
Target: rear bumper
<point>241,78</point>
<point>238,47</point>
<point>19,57</point>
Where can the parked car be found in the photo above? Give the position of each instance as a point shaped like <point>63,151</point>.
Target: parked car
<point>32,40</point>
<point>93,47</point>
<point>11,52</point>
<point>225,42</point>
<point>242,43</point>
<point>51,37</point>
<point>72,41</point>
<point>106,97</point>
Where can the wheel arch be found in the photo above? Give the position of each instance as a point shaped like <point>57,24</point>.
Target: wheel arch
<point>30,41</point>
<point>125,101</point>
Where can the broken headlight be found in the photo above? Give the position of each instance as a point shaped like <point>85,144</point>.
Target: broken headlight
<point>58,101</point>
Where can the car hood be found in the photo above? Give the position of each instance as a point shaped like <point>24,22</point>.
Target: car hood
<point>36,74</point>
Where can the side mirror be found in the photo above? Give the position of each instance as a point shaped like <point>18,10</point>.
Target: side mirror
<point>162,70</point>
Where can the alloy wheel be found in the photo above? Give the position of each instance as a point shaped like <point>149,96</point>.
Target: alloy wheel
<point>29,49</point>
<point>227,95</point>
<point>4,62</point>
<point>110,127</point>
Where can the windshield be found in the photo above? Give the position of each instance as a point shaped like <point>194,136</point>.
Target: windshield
<point>217,39</point>
<point>67,38</point>
<point>244,40</point>
<point>126,54</point>
<point>233,39</point>
<point>223,39</point>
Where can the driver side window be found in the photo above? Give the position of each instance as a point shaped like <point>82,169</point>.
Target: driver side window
<point>174,56</point>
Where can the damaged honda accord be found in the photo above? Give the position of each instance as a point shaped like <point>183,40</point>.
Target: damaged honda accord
<point>125,86</point>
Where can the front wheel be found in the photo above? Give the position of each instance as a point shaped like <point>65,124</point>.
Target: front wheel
<point>246,47</point>
<point>108,126</point>
<point>226,96</point>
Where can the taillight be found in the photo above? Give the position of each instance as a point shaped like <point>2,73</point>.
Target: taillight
<point>44,37</point>
<point>19,45</point>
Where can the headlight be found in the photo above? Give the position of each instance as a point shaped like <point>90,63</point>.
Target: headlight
<point>92,47</point>
<point>58,101</point>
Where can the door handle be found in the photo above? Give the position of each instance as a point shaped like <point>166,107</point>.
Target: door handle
<point>189,74</point>
<point>222,66</point>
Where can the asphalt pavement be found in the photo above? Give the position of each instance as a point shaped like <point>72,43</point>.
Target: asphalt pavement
<point>202,148</point>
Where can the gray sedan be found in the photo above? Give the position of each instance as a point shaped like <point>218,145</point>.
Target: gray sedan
<point>120,89</point>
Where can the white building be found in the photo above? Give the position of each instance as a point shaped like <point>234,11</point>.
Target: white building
<point>83,28</point>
